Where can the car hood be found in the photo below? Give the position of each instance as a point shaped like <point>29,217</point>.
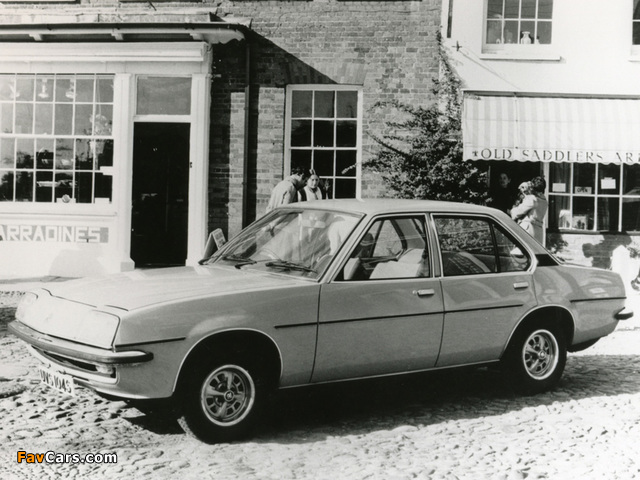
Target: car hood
<point>143,288</point>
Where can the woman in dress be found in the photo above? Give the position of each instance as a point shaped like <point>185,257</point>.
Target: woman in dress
<point>531,211</point>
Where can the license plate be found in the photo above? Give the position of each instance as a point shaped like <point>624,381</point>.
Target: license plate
<point>57,380</point>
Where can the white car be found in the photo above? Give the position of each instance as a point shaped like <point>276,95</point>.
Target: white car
<point>319,292</point>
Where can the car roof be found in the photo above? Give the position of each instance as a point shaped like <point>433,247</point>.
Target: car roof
<point>371,206</point>
<point>377,206</point>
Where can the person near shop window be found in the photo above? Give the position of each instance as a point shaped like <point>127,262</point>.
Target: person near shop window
<point>311,190</point>
<point>504,195</point>
<point>531,211</point>
<point>287,190</point>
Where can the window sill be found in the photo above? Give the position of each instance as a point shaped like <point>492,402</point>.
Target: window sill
<point>567,231</point>
<point>28,208</point>
<point>520,56</point>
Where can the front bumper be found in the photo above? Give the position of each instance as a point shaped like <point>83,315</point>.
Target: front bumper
<point>126,373</point>
<point>75,351</point>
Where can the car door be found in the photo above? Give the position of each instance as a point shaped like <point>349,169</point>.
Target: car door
<point>487,287</point>
<point>383,312</point>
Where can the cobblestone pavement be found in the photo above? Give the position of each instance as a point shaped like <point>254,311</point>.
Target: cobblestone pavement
<point>464,425</point>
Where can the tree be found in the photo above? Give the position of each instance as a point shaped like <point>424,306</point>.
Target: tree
<point>422,158</point>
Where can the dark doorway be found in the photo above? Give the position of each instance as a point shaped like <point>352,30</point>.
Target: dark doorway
<point>518,171</point>
<point>160,200</point>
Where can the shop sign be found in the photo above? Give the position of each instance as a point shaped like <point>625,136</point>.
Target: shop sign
<point>548,155</point>
<point>53,233</point>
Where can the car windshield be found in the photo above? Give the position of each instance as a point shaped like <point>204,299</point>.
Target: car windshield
<point>295,242</point>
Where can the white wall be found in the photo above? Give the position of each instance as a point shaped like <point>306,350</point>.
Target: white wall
<point>591,51</point>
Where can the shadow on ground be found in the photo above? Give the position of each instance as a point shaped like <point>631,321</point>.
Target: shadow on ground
<point>310,414</point>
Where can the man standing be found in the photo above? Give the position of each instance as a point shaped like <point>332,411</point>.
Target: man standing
<point>287,190</point>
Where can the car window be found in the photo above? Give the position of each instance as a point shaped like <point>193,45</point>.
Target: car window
<point>472,246</point>
<point>512,256</point>
<point>293,242</point>
<point>393,247</point>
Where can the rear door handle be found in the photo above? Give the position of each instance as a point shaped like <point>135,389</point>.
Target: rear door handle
<point>520,285</point>
<point>427,292</point>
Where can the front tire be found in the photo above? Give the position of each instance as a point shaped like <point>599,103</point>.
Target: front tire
<point>536,359</point>
<point>222,402</point>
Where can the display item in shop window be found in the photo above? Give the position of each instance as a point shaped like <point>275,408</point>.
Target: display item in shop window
<point>530,212</point>
<point>286,191</point>
<point>526,38</point>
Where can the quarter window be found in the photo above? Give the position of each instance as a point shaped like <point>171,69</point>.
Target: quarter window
<point>473,246</point>
<point>56,139</point>
<point>518,22</point>
<point>323,135</point>
<point>594,197</point>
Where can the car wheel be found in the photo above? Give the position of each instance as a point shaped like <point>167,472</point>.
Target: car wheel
<point>221,403</point>
<point>536,359</point>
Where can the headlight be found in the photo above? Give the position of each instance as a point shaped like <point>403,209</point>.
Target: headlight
<point>68,320</point>
<point>97,328</point>
<point>27,300</point>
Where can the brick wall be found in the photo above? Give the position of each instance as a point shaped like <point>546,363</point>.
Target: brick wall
<point>387,47</point>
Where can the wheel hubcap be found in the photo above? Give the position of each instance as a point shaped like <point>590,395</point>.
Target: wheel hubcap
<point>540,354</point>
<point>227,395</point>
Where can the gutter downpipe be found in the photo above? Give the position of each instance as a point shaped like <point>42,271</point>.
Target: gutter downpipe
<point>247,124</point>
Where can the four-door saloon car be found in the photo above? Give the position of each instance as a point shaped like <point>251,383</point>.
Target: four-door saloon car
<point>321,292</point>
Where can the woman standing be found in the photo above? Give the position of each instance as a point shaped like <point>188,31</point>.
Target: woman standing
<point>531,211</point>
<point>311,190</point>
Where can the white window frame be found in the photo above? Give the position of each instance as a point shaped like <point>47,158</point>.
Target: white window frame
<point>125,61</point>
<point>571,195</point>
<point>359,116</point>
<point>515,48</point>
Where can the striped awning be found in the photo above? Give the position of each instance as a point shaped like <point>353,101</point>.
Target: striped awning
<point>551,129</point>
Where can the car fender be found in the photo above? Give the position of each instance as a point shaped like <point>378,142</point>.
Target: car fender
<point>543,312</point>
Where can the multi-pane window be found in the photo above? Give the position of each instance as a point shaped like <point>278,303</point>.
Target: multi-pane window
<point>636,22</point>
<point>524,22</point>
<point>594,197</point>
<point>323,136</point>
<point>56,139</point>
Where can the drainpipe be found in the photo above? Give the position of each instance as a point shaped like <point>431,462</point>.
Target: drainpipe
<point>247,124</point>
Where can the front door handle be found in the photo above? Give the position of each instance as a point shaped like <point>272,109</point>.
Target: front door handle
<point>427,292</point>
<point>520,285</point>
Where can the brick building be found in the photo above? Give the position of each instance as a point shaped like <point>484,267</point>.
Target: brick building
<point>129,130</point>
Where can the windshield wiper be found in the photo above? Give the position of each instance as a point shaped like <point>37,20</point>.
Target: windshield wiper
<point>290,266</point>
<point>241,260</point>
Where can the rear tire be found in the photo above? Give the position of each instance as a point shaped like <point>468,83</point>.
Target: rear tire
<point>223,399</point>
<point>536,358</point>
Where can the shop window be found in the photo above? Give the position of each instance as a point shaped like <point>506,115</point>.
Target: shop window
<point>518,22</point>
<point>56,139</point>
<point>594,197</point>
<point>322,134</point>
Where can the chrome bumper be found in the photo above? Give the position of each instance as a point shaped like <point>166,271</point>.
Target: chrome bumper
<point>76,351</point>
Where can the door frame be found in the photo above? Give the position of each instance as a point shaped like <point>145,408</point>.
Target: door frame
<point>198,161</point>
